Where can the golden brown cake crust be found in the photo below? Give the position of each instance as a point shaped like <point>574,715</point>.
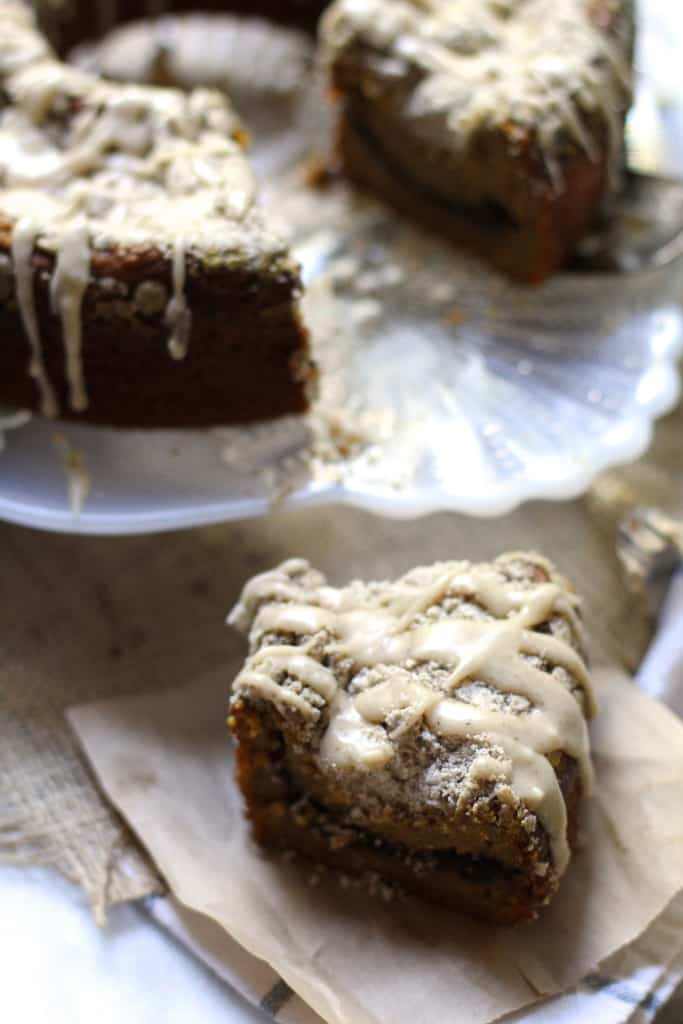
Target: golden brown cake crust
<point>430,729</point>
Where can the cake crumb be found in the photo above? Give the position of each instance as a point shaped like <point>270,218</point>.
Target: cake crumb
<point>78,478</point>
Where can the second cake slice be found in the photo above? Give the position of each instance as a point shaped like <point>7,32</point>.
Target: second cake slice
<point>500,123</point>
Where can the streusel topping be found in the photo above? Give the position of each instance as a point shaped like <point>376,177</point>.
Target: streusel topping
<point>487,655</point>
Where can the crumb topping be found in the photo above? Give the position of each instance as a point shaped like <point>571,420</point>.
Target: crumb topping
<point>460,673</point>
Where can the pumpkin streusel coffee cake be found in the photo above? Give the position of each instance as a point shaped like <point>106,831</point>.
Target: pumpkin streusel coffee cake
<point>140,282</point>
<point>430,731</point>
<point>499,123</point>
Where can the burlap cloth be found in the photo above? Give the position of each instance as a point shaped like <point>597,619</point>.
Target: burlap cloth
<point>89,617</point>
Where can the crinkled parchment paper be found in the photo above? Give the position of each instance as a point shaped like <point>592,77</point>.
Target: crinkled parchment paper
<point>165,761</point>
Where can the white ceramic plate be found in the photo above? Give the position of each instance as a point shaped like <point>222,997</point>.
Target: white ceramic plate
<point>443,386</point>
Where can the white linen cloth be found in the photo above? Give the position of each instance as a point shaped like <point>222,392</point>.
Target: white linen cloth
<point>58,966</point>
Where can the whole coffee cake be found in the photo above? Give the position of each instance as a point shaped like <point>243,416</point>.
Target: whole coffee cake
<point>499,123</point>
<point>430,730</point>
<point>140,282</point>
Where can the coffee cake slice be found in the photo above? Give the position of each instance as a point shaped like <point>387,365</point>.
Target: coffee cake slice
<point>499,123</point>
<point>140,282</point>
<point>431,730</point>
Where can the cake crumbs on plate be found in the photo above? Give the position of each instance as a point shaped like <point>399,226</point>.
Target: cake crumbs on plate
<point>78,478</point>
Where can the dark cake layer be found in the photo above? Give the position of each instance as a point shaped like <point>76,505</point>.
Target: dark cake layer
<point>284,817</point>
<point>245,359</point>
<point>527,240</point>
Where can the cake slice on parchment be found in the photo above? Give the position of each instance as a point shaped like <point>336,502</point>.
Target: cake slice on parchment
<point>499,123</point>
<point>140,282</point>
<point>430,731</point>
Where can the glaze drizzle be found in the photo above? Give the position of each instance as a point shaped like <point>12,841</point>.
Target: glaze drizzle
<point>423,652</point>
<point>88,165</point>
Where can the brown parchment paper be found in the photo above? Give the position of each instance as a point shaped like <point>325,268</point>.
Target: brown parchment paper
<point>165,762</point>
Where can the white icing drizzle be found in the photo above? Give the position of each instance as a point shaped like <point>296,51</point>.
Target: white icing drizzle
<point>68,285</point>
<point>178,315</point>
<point>426,659</point>
<point>122,167</point>
<point>23,243</point>
<point>275,585</point>
<point>455,68</point>
<point>296,663</point>
<point>351,740</point>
